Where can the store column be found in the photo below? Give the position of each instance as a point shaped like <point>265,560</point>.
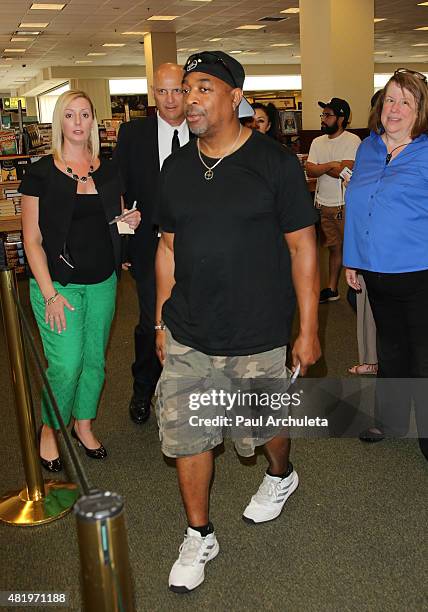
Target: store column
<point>99,92</point>
<point>159,47</point>
<point>336,47</point>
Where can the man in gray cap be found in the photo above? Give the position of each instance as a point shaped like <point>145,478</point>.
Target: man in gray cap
<point>328,156</point>
<point>237,227</point>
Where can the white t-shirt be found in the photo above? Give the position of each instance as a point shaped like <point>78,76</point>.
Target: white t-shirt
<point>330,191</point>
<point>165,134</point>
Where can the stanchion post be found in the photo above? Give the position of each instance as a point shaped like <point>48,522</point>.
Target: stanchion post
<point>39,502</point>
<point>104,559</point>
<point>21,387</point>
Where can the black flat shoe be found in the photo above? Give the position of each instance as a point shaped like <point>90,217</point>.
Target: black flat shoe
<point>51,465</point>
<point>368,435</point>
<point>93,453</point>
<point>139,409</point>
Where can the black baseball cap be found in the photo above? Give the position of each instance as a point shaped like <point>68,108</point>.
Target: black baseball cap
<point>224,67</point>
<point>340,107</point>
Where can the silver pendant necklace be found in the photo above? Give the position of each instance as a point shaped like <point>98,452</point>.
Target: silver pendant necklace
<point>209,174</point>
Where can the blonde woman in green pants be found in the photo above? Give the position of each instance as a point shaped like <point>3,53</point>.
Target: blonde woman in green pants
<point>69,198</point>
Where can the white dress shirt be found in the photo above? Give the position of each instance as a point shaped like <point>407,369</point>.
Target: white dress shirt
<point>165,134</point>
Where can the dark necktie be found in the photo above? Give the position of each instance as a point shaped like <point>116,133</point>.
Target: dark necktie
<point>175,142</point>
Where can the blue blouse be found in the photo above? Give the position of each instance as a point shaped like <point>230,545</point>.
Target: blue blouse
<point>386,227</point>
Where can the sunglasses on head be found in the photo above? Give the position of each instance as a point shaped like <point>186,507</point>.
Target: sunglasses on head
<point>210,59</point>
<point>414,73</point>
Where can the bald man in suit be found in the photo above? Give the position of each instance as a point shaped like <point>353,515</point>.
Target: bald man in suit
<point>142,147</point>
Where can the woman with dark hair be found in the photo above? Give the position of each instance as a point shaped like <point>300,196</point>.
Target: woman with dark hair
<point>266,119</point>
<point>386,239</point>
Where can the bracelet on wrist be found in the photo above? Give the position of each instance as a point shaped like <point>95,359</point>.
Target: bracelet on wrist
<point>52,299</point>
<point>160,326</point>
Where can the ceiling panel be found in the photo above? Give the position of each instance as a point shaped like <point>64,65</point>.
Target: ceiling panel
<point>83,25</point>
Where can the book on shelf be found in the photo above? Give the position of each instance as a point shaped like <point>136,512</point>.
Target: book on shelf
<point>8,170</point>
<point>7,142</point>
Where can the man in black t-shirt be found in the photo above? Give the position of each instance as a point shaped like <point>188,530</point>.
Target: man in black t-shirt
<point>237,228</point>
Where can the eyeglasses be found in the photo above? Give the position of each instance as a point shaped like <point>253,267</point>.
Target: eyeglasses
<point>414,73</point>
<point>210,59</point>
<point>325,115</point>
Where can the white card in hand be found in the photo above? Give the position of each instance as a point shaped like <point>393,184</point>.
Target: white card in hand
<point>123,228</point>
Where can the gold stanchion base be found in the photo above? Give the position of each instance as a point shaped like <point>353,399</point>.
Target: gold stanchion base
<point>17,509</point>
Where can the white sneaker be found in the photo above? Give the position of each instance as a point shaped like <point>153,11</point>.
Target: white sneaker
<point>270,499</point>
<point>188,572</point>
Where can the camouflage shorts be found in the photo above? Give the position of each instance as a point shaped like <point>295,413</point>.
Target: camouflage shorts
<point>188,373</point>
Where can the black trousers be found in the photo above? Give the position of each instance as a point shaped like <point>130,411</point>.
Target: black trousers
<point>146,368</point>
<point>400,308</point>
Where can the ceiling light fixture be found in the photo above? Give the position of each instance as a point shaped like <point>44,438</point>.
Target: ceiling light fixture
<point>420,45</point>
<point>20,39</point>
<point>88,54</point>
<point>250,27</point>
<point>26,33</point>
<point>83,62</point>
<point>282,45</point>
<point>423,28</point>
<point>293,9</point>
<point>235,52</point>
<point>14,50</point>
<point>43,6</point>
<point>33,25</point>
<point>162,18</point>
<point>214,39</point>
<point>114,44</point>
<point>134,33</point>
<point>422,3</point>
<point>377,19</point>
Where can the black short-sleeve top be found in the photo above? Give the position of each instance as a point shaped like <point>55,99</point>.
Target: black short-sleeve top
<point>234,293</point>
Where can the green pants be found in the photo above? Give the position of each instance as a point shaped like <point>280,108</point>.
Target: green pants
<point>76,357</point>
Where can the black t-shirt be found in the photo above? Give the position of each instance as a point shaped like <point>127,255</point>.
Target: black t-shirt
<point>233,293</point>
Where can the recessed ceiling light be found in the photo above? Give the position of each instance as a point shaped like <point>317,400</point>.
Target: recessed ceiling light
<point>134,33</point>
<point>14,50</point>
<point>235,52</point>
<point>33,25</point>
<point>282,45</point>
<point>423,28</point>
<point>214,39</point>
<point>420,45</point>
<point>293,9</point>
<point>381,52</point>
<point>162,18</point>
<point>43,6</point>
<point>422,3</point>
<point>20,39</point>
<point>419,55</point>
<point>250,27</point>
<point>83,62</point>
<point>377,19</point>
<point>88,54</point>
<point>114,44</point>
<point>26,33</point>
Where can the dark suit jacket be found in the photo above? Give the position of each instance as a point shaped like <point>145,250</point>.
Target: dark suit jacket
<point>137,154</point>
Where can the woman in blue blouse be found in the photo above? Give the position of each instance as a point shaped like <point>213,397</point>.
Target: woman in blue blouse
<point>386,239</point>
